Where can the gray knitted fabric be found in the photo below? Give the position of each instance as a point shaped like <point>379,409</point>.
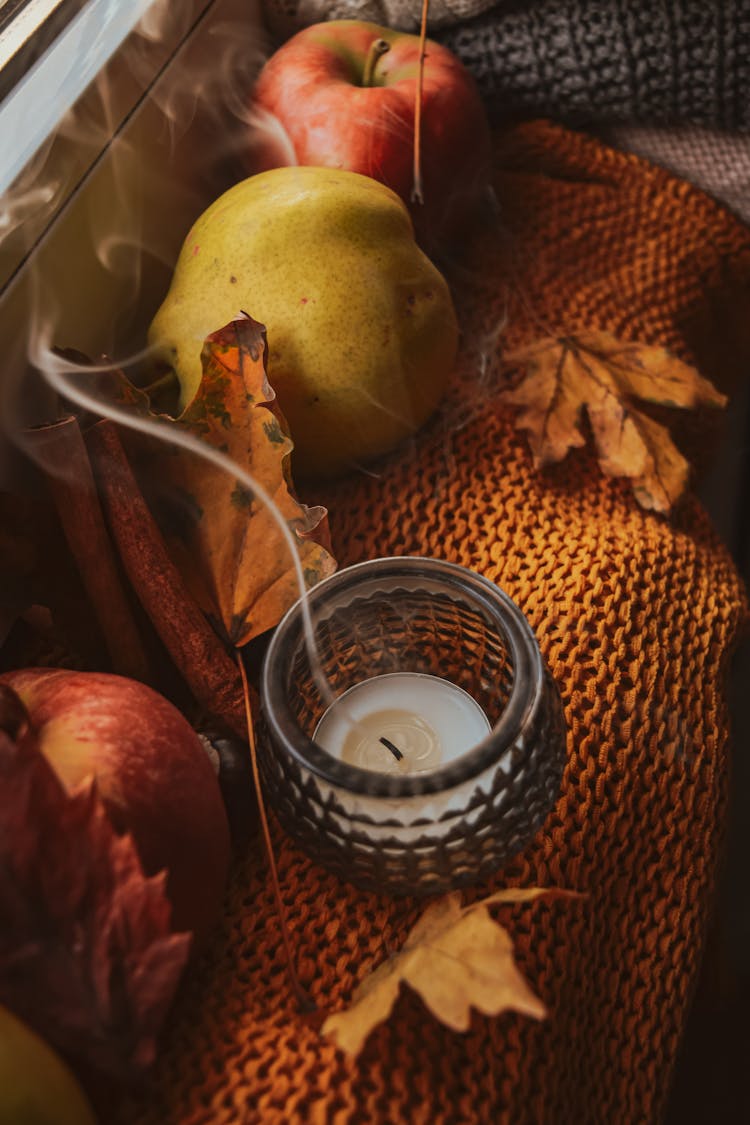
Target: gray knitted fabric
<point>287,16</point>
<point>647,61</point>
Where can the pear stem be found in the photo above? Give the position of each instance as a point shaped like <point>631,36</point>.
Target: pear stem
<point>167,380</point>
<point>378,48</point>
<point>417,193</point>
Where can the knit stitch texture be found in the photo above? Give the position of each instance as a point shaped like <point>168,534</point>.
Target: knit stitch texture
<point>637,617</point>
<point>645,61</point>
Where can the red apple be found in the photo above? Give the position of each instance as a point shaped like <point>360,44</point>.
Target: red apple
<point>329,97</point>
<point>151,771</point>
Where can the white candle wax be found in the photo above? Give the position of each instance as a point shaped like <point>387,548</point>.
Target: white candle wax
<point>402,723</point>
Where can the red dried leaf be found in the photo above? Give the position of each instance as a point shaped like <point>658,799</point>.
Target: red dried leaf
<point>86,954</point>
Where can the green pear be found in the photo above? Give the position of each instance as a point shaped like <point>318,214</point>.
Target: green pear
<point>361,329</point>
<point>36,1088</point>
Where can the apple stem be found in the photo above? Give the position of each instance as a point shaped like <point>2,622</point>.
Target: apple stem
<point>417,194</point>
<point>378,48</point>
<point>305,1002</point>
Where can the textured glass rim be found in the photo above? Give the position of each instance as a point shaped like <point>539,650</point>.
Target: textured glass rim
<point>528,679</point>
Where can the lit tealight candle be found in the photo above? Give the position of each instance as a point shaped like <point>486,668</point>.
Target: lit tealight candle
<point>402,783</point>
<point>402,723</point>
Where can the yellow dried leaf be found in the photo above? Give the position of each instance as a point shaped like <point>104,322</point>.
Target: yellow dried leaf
<point>226,543</point>
<point>596,373</point>
<point>457,958</point>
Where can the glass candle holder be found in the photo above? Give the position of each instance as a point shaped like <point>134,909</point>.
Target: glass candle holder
<point>424,745</point>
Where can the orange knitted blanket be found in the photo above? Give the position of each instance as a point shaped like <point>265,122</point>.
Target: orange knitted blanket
<point>637,617</point>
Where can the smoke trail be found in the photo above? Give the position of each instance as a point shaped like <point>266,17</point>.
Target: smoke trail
<point>57,373</point>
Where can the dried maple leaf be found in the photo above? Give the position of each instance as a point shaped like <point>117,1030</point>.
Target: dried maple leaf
<point>86,953</point>
<point>604,376</point>
<point>226,542</point>
<point>456,958</point>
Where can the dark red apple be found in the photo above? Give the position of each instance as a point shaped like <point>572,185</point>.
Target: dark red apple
<point>342,95</point>
<point>151,771</point>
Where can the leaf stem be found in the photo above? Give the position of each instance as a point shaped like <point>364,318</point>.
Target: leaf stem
<point>417,192</point>
<point>305,1002</point>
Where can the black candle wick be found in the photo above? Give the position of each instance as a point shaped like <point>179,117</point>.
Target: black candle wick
<point>393,749</point>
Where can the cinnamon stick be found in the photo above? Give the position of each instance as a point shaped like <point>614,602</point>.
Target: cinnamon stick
<point>207,668</point>
<point>61,454</point>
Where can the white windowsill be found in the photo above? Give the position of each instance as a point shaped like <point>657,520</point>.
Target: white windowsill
<point>32,112</point>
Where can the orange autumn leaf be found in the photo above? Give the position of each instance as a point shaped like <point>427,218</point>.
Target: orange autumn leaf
<point>457,958</point>
<point>229,547</point>
<point>596,374</point>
